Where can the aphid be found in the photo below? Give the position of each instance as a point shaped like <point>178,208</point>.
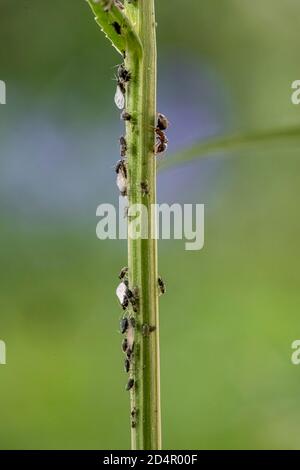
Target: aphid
<point>144,188</point>
<point>123,273</point>
<point>133,413</point>
<point>119,4</point>
<point>161,285</point>
<point>123,146</point>
<point>132,322</point>
<point>121,171</point>
<point>120,97</point>
<point>124,345</point>
<point>162,122</point>
<point>133,298</point>
<point>147,329</point>
<point>108,4</point>
<point>124,75</point>
<point>133,424</point>
<point>125,295</point>
<point>129,351</point>
<point>126,365</point>
<point>126,116</point>
<point>117,27</point>
<point>130,384</point>
<point>122,295</point>
<point>124,324</point>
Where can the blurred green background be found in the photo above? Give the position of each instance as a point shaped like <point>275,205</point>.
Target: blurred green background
<point>231,311</point>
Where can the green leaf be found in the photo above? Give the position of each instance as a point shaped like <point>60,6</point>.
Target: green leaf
<point>229,144</point>
<point>116,26</point>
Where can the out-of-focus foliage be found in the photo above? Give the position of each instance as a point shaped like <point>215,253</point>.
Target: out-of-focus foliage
<point>231,311</point>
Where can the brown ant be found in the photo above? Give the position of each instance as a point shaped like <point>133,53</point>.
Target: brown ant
<point>162,141</point>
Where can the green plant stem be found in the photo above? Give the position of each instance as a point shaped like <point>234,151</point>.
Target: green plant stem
<point>132,33</point>
<point>142,253</point>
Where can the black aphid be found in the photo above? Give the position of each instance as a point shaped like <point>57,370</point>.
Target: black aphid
<point>129,351</point>
<point>161,285</point>
<point>123,74</point>
<point>126,365</point>
<point>144,188</point>
<point>117,27</point>
<point>126,116</point>
<point>123,273</point>
<point>130,384</point>
<point>124,324</point>
<point>124,345</point>
<point>123,146</point>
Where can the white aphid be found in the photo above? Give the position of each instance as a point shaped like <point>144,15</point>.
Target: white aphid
<point>130,336</point>
<point>121,171</point>
<point>122,293</point>
<point>119,98</point>
<point>122,183</point>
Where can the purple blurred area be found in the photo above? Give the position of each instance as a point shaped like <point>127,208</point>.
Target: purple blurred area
<point>60,169</point>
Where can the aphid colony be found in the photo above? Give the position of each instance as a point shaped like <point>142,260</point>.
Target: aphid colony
<point>127,295</point>
<point>161,144</point>
<point>128,298</point>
